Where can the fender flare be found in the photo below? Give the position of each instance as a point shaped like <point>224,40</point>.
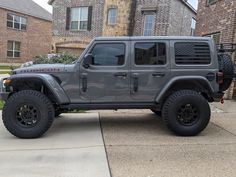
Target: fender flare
<point>174,80</point>
<point>49,81</point>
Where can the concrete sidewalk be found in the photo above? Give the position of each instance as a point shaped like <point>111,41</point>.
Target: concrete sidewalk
<point>72,148</point>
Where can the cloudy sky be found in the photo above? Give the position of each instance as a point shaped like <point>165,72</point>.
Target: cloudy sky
<point>44,4</point>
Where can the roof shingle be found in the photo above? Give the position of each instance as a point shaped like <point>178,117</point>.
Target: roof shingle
<point>27,7</point>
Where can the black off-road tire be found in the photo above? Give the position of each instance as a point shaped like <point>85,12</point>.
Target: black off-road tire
<point>57,113</point>
<point>28,114</point>
<point>179,107</point>
<point>158,113</point>
<point>227,67</point>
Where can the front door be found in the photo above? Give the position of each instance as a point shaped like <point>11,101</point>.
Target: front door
<point>150,69</point>
<point>107,77</point>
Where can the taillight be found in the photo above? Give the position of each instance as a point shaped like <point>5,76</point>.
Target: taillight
<point>220,77</point>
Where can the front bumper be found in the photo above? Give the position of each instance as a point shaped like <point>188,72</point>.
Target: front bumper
<point>3,93</point>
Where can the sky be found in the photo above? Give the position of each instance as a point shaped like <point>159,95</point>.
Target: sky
<point>44,4</point>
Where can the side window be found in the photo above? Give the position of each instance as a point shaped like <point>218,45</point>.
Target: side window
<point>108,55</point>
<point>150,53</point>
<point>192,53</point>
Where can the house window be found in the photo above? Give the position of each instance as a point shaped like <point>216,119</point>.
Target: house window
<point>215,37</point>
<point>209,2</point>
<point>150,53</point>
<point>193,26</point>
<point>79,18</point>
<point>16,22</point>
<point>13,49</point>
<point>148,25</point>
<point>112,16</point>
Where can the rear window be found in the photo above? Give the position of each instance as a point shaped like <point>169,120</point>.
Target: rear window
<point>150,53</point>
<point>192,53</point>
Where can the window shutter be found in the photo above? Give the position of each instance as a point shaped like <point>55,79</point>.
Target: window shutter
<point>68,18</point>
<point>90,14</point>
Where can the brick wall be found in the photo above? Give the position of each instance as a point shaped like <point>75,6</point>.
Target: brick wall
<point>123,18</point>
<point>36,40</point>
<point>218,17</point>
<point>129,20</point>
<point>173,18</point>
<point>82,38</point>
<point>180,19</point>
<point>162,16</point>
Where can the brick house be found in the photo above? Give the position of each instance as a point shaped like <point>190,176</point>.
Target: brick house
<point>217,19</point>
<point>25,31</point>
<point>77,22</point>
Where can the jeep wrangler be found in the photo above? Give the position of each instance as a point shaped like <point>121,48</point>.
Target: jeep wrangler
<point>175,77</point>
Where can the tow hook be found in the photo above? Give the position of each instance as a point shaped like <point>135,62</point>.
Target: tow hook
<point>222,101</point>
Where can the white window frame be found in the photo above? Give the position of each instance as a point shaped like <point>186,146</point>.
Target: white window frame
<point>151,30</point>
<point>80,18</point>
<point>14,49</point>
<point>112,17</point>
<point>20,23</point>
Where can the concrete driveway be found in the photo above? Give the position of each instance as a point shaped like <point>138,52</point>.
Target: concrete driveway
<point>137,144</point>
<point>72,148</point>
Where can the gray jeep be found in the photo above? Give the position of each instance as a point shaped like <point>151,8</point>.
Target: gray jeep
<point>175,77</point>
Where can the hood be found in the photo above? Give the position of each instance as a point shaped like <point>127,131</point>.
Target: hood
<point>41,68</point>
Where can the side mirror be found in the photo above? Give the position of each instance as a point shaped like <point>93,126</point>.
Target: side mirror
<point>87,60</point>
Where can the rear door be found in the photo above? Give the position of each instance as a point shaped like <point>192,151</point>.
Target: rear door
<point>150,69</point>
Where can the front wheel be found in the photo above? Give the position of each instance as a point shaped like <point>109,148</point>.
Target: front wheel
<point>28,114</point>
<point>186,113</point>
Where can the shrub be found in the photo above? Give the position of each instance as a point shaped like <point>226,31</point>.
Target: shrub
<point>61,58</point>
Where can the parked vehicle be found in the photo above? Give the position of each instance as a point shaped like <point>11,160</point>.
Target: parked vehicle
<point>175,77</point>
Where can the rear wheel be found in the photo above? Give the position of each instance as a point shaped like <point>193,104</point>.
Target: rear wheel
<point>186,113</point>
<point>28,114</point>
<point>158,113</point>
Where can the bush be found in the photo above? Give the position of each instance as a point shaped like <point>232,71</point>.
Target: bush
<point>62,58</point>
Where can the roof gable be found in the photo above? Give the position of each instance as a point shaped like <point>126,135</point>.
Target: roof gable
<point>27,7</point>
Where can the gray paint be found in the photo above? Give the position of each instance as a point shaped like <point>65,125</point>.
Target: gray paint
<point>104,87</point>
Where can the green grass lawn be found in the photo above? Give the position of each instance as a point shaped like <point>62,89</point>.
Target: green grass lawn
<point>1,105</point>
<point>9,67</point>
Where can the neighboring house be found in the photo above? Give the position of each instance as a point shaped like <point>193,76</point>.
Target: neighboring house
<point>217,19</point>
<point>25,31</point>
<point>77,22</point>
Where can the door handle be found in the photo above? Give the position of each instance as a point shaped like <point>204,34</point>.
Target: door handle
<point>84,82</point>
<point>158,74</point>
<point>120,74</point>
<point>135,82</point>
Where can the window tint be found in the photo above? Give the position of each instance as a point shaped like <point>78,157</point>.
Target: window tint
<point>187,53</point>
<point>108,55</point>
<point>150,53</point>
